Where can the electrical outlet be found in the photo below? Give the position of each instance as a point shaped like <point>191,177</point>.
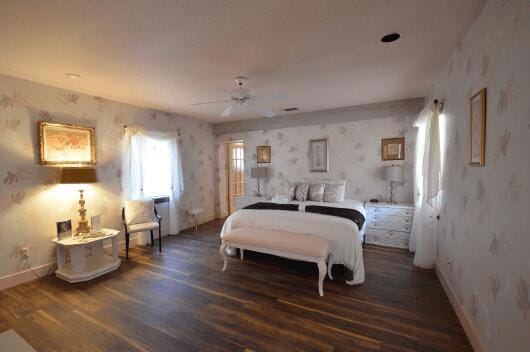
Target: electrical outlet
<point>24,252</point>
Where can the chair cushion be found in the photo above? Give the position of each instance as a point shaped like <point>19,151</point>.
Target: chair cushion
<point>139,211</point>
<point>142,227</point>
<point>282,241</point>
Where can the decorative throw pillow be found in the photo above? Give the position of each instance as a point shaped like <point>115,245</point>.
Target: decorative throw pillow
<point>289,191</point>
<point>316,191</point>
<point>302,188</point>
<point>334,191</point>
<point>139,211</point>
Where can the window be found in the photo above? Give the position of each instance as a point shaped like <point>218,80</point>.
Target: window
<point>154,163</point>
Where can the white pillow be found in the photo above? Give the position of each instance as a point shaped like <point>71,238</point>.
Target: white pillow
<point>288,191</point>
<point>139,211</point>
<point>334,191</point>
<point>316,191</point>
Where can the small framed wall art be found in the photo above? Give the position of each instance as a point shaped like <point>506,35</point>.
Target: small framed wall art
<point>64,229</point>
<point>477,128</point>
<point>66,145</point>
<point>393,148</point>
<point>318,155</point>
<point>263,153</point>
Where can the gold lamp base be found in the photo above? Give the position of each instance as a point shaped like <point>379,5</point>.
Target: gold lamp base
<point>82,225</point>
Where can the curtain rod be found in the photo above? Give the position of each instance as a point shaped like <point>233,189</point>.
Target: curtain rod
<point>178,133</point>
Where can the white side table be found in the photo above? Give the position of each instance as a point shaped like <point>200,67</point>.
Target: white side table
<point>83,268</point>
<point>195,213</point>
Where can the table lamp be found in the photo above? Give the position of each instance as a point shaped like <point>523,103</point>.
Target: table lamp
<point>258,173</point>
<point>80,177</point>
<point>393,174</point>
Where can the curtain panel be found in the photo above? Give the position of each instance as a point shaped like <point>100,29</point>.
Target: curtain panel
<point>135,143</point>
<point>427,186</point>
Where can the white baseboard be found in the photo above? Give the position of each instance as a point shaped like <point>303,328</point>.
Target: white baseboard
<point>27,275</point>
<point>467,322</point>
<point>47,269</point>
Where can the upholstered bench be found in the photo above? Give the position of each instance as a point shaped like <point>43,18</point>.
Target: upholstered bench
<point>281,243</point>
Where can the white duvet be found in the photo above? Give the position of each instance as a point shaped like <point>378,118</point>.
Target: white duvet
<point>343,234</point>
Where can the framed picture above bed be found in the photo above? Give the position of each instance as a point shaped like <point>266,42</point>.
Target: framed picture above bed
<point>477,128</point>
<point>393,148</point>
<point>318,155</point>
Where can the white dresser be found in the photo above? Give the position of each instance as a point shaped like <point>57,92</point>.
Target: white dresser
<point>242,202</point>
<point>389,224</point>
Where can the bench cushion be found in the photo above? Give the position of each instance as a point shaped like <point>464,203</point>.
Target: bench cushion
<point>282,241</point>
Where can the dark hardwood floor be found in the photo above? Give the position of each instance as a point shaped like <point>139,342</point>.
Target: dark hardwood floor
<point>181,301</point>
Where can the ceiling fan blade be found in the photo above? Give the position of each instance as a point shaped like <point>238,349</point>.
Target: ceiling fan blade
<point>263,110</point>
<point>227,111</point>
<point>270,96</point>
<point>211,102</point>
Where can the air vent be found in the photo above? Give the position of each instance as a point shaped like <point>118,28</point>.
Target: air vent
<point>290,109</point>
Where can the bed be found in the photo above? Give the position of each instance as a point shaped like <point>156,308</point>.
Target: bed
<point>344,235</point>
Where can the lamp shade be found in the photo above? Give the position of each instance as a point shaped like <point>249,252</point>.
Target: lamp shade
<point>393,173</point>
<point>78,175</point>
<point>258,172</point>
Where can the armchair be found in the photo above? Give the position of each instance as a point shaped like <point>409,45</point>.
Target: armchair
<point>140,216</point>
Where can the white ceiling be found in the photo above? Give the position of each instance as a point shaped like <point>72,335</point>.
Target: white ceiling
<point>167,54</point>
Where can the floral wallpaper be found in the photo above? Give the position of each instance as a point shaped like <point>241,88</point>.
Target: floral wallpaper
<point>31,201</point>
<point>483,241</point>
<point>354,155</point>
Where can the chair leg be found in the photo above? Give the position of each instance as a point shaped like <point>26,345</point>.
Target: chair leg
<point>321,275</point>
<point>223,254</point>
<point>152,239</point>
<point>159,239</point>
<point>127,245</point>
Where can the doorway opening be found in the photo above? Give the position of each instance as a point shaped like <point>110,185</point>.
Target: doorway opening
<point>236,173</point>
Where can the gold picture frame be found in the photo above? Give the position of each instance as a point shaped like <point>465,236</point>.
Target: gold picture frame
<point>66,145</point>
<point>477,128</point>
<point>393,148</point>
<point>263,154</point>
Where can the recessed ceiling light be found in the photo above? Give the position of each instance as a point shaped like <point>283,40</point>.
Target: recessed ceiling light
<point>72,76</point>
<point>391,37</point>
<point>290,109</point>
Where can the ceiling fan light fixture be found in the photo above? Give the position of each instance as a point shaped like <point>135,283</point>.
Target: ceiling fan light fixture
<point>390,37</point>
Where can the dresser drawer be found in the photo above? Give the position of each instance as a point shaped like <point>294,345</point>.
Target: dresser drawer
<point>403,224</point>
<point>388,238</point>
<point>375,210</point>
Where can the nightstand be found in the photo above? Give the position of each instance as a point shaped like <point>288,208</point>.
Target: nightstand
<point>389,224</point>
<point>242,202</point>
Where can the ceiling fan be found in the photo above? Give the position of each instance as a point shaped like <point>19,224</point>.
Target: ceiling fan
<point>241,97</point>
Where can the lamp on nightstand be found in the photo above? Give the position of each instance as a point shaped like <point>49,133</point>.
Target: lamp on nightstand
<point>258,173</point>
<point>80,177</point>
<point>393,174</point>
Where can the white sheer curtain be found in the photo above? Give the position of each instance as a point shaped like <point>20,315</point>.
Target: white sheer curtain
<point>135,147</point>
<point>427,185</point>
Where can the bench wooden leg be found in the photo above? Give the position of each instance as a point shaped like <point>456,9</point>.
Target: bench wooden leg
<point>242,253</point>
<point>321,275</point>
<point>223,254</point>
<point>330,265</point>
